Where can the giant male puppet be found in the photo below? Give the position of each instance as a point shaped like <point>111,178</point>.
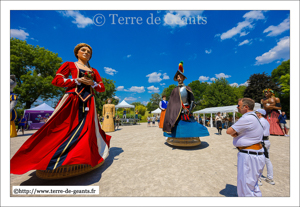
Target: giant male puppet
<point>180,128</point>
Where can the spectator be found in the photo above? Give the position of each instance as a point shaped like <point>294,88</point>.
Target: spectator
<point>117,121</point>
<point>283,125</point>
<point>22,123</point>
<point>148,120</point>
<point>158,119</point>
<point>219,122</point>
<point>266,144</point>
<point>124,114</point>
<point>247,135</point>
<point>153,120</point>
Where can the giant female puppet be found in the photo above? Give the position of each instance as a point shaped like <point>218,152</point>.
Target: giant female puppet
<point>180,128</point>
<point>272,104</point>
<point>72,138</point>
<point>108,114</point>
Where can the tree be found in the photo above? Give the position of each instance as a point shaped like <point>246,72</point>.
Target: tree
<point>34,68</point>
<point>141,108</point>
<point>110,90</point>
<point>219,93</point>
<point>281,75</point>
<point>154,102</point>
<point>167,91</point>
<point>198,89</point>
<point>257,83</point>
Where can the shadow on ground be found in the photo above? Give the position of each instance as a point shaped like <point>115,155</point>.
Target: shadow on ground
<point>201,146</point>
<point>85,179</point>
<point>229,191</point>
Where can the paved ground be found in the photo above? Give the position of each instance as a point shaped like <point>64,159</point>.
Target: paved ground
<point>142,164</point>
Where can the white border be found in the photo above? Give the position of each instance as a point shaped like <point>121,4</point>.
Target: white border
<point>165,5</point>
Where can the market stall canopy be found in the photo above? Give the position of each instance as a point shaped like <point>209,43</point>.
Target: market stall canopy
<point>37,116</point>
<point>156,111</point>
<point>222,109</point>
<point>41,108</point>
<point>124,104</point>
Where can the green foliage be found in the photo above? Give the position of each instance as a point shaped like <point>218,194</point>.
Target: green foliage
<point>281,75</point>
<point>141,108</point>
<point>198,89</point>
<point>257,83</point>
<point>281,70</point>
<point>110,90</point>
<point>219,93</point>
<point>154,102</point>
<point>167,91</point>
<point>34,68</point>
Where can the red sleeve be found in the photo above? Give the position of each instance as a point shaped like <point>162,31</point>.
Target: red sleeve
<point>98,82</point>
<point>61,78</point>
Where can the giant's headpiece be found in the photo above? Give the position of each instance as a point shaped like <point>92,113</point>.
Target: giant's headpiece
<point>269,90</point>
<point>179,71</point>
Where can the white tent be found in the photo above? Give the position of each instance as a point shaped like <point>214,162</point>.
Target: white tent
<point>156,111</point>
<point>222,109</point>
<point>124,104</point>
<point>42,107</point>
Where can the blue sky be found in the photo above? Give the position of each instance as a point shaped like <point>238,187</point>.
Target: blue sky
<point>143,56</point>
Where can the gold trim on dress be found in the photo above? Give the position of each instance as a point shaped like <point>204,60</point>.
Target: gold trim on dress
<point>67,145</point>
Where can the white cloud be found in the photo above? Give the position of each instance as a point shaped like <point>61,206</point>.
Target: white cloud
<point>255,15</point>
<point>277,30</point>
<point>120,88</point>
<point>203,78</point>
<point>154,77</point>
<point>244,84</point>
<point>243,27</point>
<point>129,99</point>
<point>137,89</point>
<point>110,71</point>
<point>162,84</point>
<point>280,51</point>
<point>234,85</point>
<point>165,76</point>
<point>128,56</point>
<point>152,89</point>
<point>116,97</point>
<point>19,33</point>
<point>222,75</point>
<point>208,51</point>
<point>80,20</point>
<point>213,79</point>
<point>181,18</point>
<point>278,61</point>
<point>145,102</point>
<point>245,42</point>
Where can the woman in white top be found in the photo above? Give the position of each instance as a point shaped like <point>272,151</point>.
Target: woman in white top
<point>219,122</point>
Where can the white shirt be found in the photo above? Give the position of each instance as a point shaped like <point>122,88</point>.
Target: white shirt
<point>249,130</point>
<point>160,104</point>
<point>266,126</point>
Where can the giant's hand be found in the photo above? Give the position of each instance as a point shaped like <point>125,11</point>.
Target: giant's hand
<point>85,81</point>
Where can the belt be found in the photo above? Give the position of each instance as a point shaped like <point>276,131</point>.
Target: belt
<point>257,146</point>
<point>252,153</point>
<point>266,138</point>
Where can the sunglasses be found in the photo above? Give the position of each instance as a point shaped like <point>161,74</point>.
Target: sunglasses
<point>239,106</point>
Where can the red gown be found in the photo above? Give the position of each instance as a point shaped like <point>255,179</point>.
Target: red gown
<point>72,135</point>
<point>272,117</point>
